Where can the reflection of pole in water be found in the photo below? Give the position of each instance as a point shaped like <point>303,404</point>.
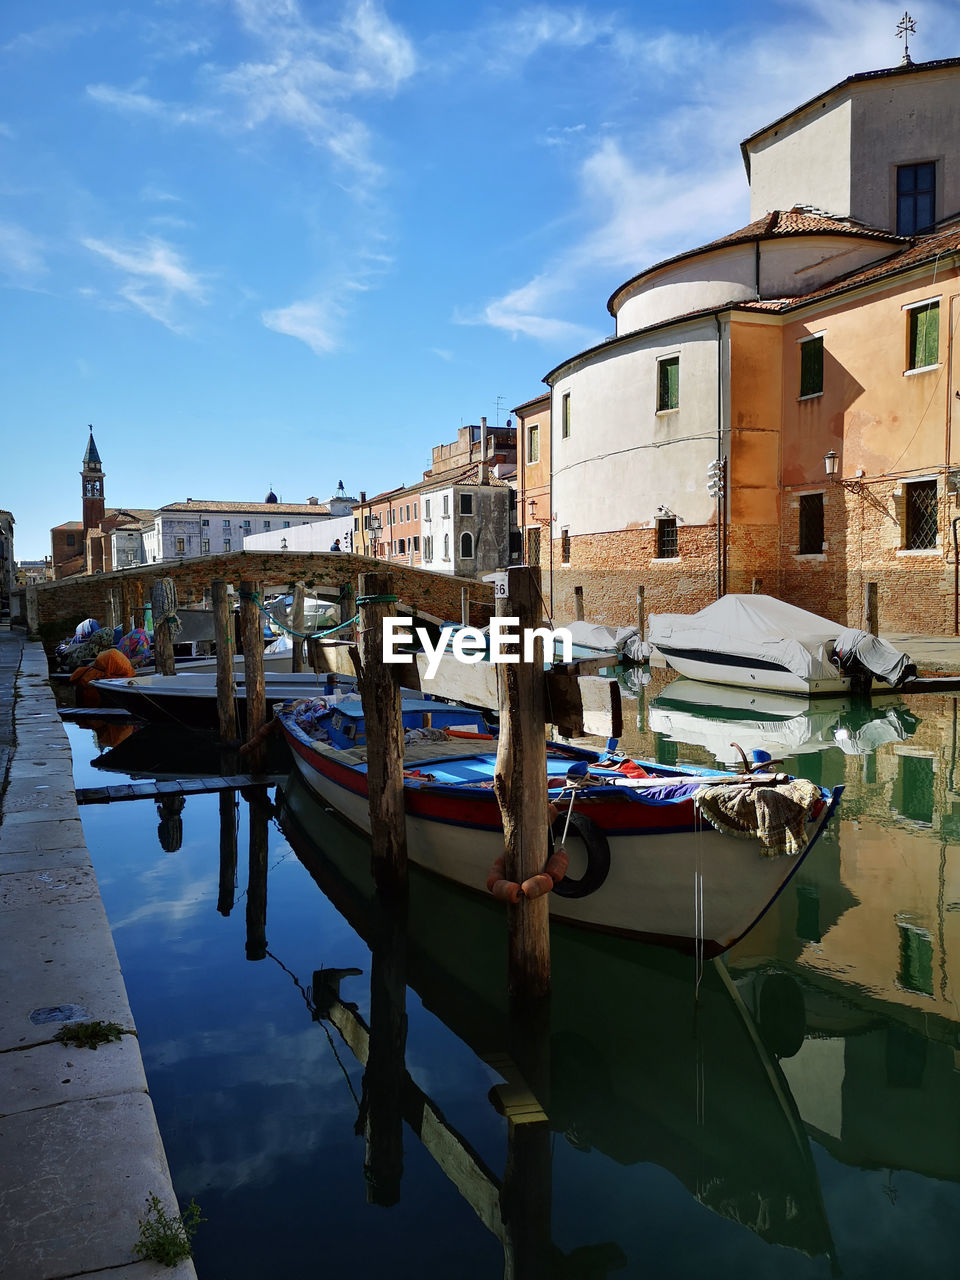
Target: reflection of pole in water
<point>259,817</point>
<point>228,851</point>
<point>381,1108</point>
<point>170,827</point>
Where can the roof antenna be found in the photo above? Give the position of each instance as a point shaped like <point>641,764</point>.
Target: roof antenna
<point>905,28</point>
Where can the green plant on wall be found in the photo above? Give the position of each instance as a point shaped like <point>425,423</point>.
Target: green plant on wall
<point>165,1237</point>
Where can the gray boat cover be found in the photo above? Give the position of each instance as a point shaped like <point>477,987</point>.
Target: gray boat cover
<point>872,654</point>
<point>754,626</point>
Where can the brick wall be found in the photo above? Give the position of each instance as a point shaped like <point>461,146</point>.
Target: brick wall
<point>96,595</point>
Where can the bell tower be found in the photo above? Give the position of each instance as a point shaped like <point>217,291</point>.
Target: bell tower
<point>92,476</point>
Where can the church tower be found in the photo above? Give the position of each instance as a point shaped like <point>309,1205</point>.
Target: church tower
<point>92,476</point>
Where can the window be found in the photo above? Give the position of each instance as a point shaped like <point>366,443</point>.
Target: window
<point>564,546</point>
<point>446,546</point>
<point>180,546</point>
<point>810,540</point>
<point>920,511</point>
<point>446,504</point>
<point>71,539</point>
<point>226,544</point>
<point>916,959</point>
<point>428,548</point>
<point>414,511</point>
<point>286,524</point>
<point>394,547</point>
<point>205,523</point>
<point>565,416</point>
<point>356,524</point>
<point>668,384</point>
<point>226,524</point>
<point>205,545</point>
<point>408,510</point>
<point>916,198</point>
<point>533,443</point>
<point>416,543</point>
<point>426,508</point>
<point>466,546</point>
<point>811,366</point>
<point>667,546</point>
<point>466,504</point>
<point>924,340</point>
<point>266,524</point>
<point>246,524</point>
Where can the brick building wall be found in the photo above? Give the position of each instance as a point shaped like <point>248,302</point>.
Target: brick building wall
<point>110,595</point>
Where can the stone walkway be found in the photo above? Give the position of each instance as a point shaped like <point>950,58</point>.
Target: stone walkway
<point>79,1146</point>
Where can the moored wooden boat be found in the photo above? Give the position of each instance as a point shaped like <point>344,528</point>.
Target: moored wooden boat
<point>644,860</point>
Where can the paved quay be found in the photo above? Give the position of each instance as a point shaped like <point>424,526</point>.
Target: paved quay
<point>79,1146</point>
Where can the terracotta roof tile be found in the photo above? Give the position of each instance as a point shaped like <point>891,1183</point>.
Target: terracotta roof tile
<point>259,508</point>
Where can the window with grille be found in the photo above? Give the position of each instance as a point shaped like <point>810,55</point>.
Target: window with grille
<point>810,540</point>
<point>921,516</point>
<point>811,367</point>
<point>667,545</point>
<point>668,384</point>
<point>533,546</point>
<point>916,198</point>
<point>565,546</point>
<point>924,349</point>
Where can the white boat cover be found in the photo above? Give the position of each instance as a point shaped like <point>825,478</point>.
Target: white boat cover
<point>754,626</point>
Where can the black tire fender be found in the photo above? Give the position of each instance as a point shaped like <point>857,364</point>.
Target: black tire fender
<point>598,856</point>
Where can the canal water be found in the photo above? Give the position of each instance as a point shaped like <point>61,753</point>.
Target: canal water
<point>345,1093</point>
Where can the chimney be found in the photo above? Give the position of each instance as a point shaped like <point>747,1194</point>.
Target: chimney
<point>363,495</point>
<point>482,469</point>
<point>313,502</point>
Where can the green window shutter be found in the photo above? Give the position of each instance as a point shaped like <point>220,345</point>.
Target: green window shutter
<point>668,391</point>
<point>811,367</point>
<point>924,335</point>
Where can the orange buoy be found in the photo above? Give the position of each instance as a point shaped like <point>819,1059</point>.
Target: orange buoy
<point>507,891</point>
<point>557,865</point>
<point>537,886</point>
<point>497,872</point>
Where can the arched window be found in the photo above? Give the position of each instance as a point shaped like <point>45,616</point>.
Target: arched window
<point>446,546</point>
<point>466,546</point>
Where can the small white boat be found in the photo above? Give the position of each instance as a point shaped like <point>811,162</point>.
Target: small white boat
<point>761,642</point>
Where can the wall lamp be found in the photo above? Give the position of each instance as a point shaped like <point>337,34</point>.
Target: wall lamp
<point>831,462</point>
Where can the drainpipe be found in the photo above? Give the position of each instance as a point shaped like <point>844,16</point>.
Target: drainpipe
<point>482,469</point>
<point>722,495</point>
<point>956,578</point>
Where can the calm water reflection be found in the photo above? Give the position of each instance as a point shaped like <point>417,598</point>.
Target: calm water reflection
<point>347,1093</point>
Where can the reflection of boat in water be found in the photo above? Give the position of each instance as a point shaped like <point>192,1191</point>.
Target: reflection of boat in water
<point>640,1069</point>
<point>715,716</point>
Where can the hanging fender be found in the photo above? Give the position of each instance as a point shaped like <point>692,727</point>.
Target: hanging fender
<point>598,856</point>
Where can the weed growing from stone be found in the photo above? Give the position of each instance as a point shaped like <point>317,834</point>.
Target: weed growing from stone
<point>165,1237</point>
<point>89,1035</point>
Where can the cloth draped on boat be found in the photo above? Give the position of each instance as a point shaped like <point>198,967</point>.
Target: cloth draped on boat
<point>776,816</point>
<point>135,645</point>
<point>855,650</point>
<point>85,630</point>
<point>78,655</point>
<point>111,663</point>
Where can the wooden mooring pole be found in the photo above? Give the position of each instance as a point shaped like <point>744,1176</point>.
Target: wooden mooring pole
<point>870,610</point>
<point>641,611</point>
<point>228,851</point>
<point>251,629</point>
<point>226,684</point>
<point>296,626</point>
<point>259,818</point>
<point>163,660</point>
<point>380,694</point>
<point>520,785</point>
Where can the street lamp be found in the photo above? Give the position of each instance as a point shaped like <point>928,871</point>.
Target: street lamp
<point>376,528</point>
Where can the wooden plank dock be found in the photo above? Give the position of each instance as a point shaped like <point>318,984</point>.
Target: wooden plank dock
<point>152,789</point>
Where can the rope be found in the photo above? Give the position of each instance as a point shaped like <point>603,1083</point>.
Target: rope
<point>163,602</point>
<point>309,635</point>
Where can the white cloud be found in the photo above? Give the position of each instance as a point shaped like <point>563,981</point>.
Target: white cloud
<point>156,279</point>
<point>311,321</point>
<point>21,252</point>
<point>673,178</point>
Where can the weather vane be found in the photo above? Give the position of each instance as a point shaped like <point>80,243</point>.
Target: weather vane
<point>905,28</point>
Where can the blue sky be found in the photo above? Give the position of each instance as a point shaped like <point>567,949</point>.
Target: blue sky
<point>283,242</point>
